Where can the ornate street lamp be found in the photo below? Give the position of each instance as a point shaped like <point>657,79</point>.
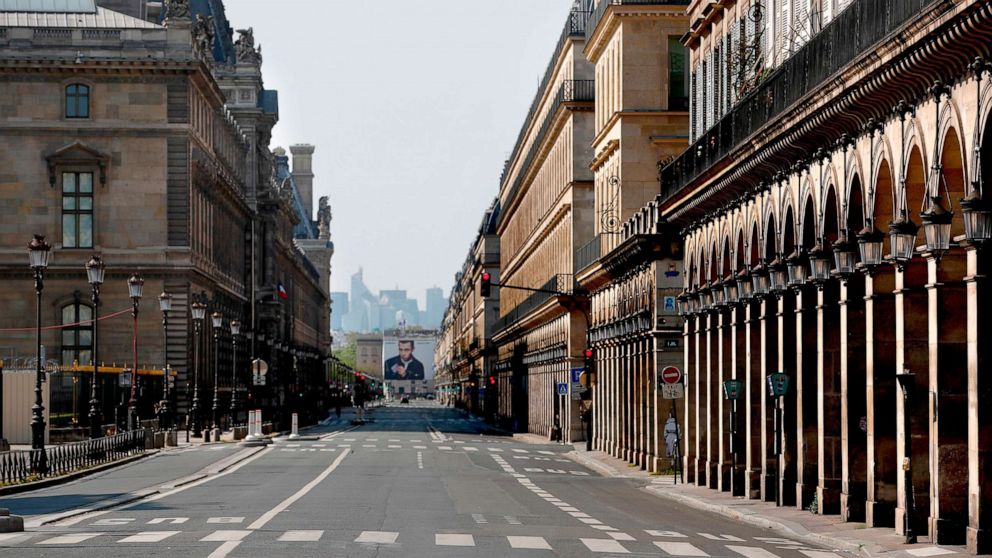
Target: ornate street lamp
<point>778,275</point>
<point>717,289</point>
<point>798,273</point>
<point>235,331</point>
<point>745,288</point>
<point>705,298</point>
<point>759,278</point>
<point>819,265</point>
<point>937,227</point>
<point>217,321</point>
<point>693,302</point>
<point>977,213</point>
<point>135,286</point>
<point>844,260</point>
<point>902,236</point>
<point>730,289</point>
<point>95,274</point>
<point>40,254</point>
<point>199,311</point>
<point>682,303</point>
<point>870,244</point>
<point>164,411</point>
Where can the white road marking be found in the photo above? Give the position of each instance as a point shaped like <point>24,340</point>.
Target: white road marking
<point>394,440</point>
<point>512,520</point>
<point>225,536</point>
<point>751,551</point>
<point>620,536</point>
<point>479,518</point>
<point>420,460</point>
<point>227,520</point>
<point>170,520</point>
<point>589,521</point>
<point>580,473</point>
<point>368,445</point>
<point>604,527</point>
<point>495,450</point>
<point>394,447</point>
<point>444,447</point>
<point>825,554</point>
<point>420,447</point>
<point>729,538</point>
<point>453,540</point>
<point>149,537</point>
<point>224,549</point>
<point>292,445</point>
<point>377,537</point>
<point>923,552</point>
<point>267,516</point>
<point>545,452</point>
<point>671,534</point>
<point>680,549</point>
<point>13,537</point>
<point>532,543</point>
<point>112,521</point>
<point>578,514</point>
<point>778,541</point>
<point>604,545</point>
<point>569,509</point>
<point>517,450</point>
<point>470,448</point>
<point>74,538</point>
<point>301,536</point>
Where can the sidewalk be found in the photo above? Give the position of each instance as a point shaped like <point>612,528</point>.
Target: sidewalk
<point>821,530</point>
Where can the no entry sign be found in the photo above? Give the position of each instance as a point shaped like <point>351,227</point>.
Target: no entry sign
<point>671,375</point>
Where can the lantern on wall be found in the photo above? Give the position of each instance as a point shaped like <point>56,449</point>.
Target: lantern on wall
<point>692,301</point>
<point>682,303</point>
<point>745,288</point>
<point>797,269</point>
<point>870,244</point>
<point>977,214</point>
<point>779,276</point>
<point>717,289</point>
<point>937,227</point>
<point>705,298</point>
<point>902,238</point>
<point>730,289</point>
<point>759,279</point>
<point>844,258</point>
<point>819,265</point>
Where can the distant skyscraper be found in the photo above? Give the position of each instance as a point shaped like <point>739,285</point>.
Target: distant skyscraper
<point>339,304</point>
<point>436,303</point>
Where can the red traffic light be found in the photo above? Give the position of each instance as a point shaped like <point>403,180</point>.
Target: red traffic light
<point>588,353</point>
<point>486,277</point>
<point>492,380</point>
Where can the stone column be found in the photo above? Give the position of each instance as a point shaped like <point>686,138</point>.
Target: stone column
<point>806,377</point>
<point>768,363</point>
<point>880,391</point>
<point>712,400</point>
<point>979,532</point>
<point>724,370</point>
<point>754,433</point>
<point>854,400</point>
<point>948,327</point>
<point>786,351</point>
<point>738,367</point>
<point>690,405</point>
<point>702,395</point>
<point>829,403</point>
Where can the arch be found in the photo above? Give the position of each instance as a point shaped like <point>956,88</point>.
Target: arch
<point>769,240</point>
<point>807,226</point>
<point>883,199</point>
<point>854,219</point>
<point>830,228</point>
<point>741,259</point>
<point>754,249</point>
<point>725,268</point>
<point>789,232</point>
<point>915,185</point>
<point>952,163</point>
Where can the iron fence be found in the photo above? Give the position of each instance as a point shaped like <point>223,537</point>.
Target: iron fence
<point>19,466</point>
<point>855,31</point>
<point>562,283</point>
<point>588,254</point>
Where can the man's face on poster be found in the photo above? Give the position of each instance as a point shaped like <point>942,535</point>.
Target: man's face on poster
<point>406,350</point>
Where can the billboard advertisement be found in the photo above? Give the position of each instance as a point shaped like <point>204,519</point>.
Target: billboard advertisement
<point>408,358</point>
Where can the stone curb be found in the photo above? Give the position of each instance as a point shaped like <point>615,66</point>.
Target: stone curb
<point>54,481</point>
<point>600,468</point>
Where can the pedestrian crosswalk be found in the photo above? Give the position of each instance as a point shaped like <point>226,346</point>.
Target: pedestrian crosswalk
<point>641,543</point>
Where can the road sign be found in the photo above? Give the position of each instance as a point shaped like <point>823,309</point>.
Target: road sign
<point>672,391</point>
<point>562,389</point>
<point>576,377</point>
<point>671,375</point>
<point>259,367</point>
<point>258,380</point>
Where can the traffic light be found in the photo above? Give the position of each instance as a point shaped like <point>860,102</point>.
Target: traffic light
<point>492,380</point>
<point>485,284</point>
<point>589,361</point>
<point>588,368</point>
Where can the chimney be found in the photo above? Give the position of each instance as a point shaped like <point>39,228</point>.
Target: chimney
<point>303,174</point>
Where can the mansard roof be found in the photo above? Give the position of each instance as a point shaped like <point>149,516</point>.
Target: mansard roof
<point>305,229</point>
<point>11,15</point>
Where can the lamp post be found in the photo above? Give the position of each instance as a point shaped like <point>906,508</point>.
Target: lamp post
<point>135,285</point>
<point>906,380</point>
<point>40,253</point>
<point>95,271</point>
<point>235,330</point>
<point>217,321</point>
<point>199,310</point>
<point>732,392</point>
<point>164,412</point>
<point>778,386</point>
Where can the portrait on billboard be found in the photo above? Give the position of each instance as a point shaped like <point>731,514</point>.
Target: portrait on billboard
<point>404,366</point>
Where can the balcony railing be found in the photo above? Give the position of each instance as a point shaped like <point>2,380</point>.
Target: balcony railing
<point>25,465</point>
<point>575,26</point>
<point>570,91</point>
<point>562,283</point>
<point>587,255</point>
<point>854,32</point>
<point>600,10</point>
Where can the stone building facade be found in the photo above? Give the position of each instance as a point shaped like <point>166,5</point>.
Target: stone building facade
<point>120,140</point>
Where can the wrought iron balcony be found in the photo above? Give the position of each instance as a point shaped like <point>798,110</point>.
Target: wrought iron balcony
<point>852,33</point>
<point>587,255</point>
<point>562,283</point>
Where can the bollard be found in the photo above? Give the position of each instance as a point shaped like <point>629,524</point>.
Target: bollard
<point>295,434</point>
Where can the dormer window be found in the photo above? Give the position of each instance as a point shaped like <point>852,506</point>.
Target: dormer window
<point>77,101</point>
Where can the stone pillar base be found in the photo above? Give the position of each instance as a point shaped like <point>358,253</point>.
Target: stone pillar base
<point>753,484</point>
<point>724,481</point>
<point>769,488</point>
<point>979,541</point>
<point>804,495</point>
<point>713,471</point>
<point>700,469</point>
<point>943,531</point>
<point>900,519</point>
<point>879,514</point>
<point>852,502</point>
<point>827,500</point>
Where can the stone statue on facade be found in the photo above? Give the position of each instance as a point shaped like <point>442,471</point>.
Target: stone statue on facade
<point>245,49</point>
<point>323,218</point>
<point>203,34</point>
<point>177,9</point>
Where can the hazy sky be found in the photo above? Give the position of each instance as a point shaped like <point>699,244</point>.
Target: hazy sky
<point>413,107</point>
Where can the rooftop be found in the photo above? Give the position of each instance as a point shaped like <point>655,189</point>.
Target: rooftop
<point>55,6</point>
<point>99,18</point>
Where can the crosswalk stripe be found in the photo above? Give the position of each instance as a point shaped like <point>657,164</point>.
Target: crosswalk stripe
<point>74,538</point>
<point>301,536</point>
<point>531,543</point>
<point>929,551</point>
<point>149,537</point>
<point>479,518</point>
<point>225,519</point>
<point>377,537</point>
<point>751,551</point>
<point>12,537</point>
<point>621,536</point>
<point>449,539</point>
<point>820,554</point>
<point>225,536</point>
<point>512,520</point>
<point>679,549</point>
<point>670,534</point>
<point>604,545</point>
<point>728,538</point>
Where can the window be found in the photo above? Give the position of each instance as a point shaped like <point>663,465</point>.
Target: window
<point>77,101</point>
<point>77,210</point>
<point>77,339</point>
<point>678,87</point>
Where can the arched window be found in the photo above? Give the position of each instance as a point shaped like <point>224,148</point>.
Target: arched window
<point>77,338</point>
<point>77,101</point>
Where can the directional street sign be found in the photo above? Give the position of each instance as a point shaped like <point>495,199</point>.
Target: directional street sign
<point>562,389</point>
<point>576,377</point>
<point>672,391</point>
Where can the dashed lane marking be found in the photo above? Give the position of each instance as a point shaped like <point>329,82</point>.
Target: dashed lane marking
<point>149,537</point>
<point>377,537</point>
<point>74,538</point>
<point>454,540</point>
<point>679,549</point>
<point>604,545</point>
<point>226,536</point>
<point>751,551</point>
<point>301,536</point>
<point>530,543</point>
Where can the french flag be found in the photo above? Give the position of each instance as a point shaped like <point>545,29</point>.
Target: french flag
<point>282,291</point>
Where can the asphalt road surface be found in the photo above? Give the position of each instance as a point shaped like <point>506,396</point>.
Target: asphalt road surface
<point>421,481</point>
